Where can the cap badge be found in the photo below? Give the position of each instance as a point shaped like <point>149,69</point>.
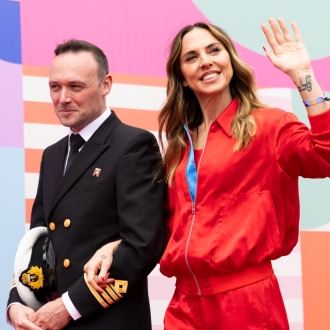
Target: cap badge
<point>97,172</point>
<point>32,278</point>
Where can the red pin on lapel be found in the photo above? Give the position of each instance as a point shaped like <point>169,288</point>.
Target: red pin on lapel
<point>97,172</point>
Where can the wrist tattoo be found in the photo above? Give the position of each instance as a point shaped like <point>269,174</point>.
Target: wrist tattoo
<point>103,256</point>
<point>307,85</point>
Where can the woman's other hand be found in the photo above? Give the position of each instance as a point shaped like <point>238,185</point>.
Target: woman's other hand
<point>97,268</point>
<point>287,55</point>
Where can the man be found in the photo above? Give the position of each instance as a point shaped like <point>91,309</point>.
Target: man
<point>92,192</point>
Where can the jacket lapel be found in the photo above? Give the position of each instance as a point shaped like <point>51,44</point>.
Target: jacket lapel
<point>52,176</point>
<point>60,155</point>
<point>92,150</point>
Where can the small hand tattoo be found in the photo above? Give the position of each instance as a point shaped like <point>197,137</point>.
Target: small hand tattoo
<point>307,86</point>
<point>103,256</point>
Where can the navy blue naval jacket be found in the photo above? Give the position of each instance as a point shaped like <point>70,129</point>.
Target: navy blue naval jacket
<point>123,202</point>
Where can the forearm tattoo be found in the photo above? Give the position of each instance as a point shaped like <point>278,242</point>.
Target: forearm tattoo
<point>307,85</point>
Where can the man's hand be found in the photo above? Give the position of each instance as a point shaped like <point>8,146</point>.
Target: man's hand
<point>98,266</point>
<point>51,316</point>
<point>19,316</point>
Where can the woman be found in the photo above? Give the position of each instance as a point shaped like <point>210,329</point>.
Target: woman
<point>232,166</point>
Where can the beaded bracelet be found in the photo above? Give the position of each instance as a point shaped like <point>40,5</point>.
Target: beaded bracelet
<point>316,100</point>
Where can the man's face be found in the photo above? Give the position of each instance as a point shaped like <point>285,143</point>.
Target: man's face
<point>78,96</point>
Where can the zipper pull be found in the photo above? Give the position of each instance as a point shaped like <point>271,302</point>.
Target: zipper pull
<point>193,211</point>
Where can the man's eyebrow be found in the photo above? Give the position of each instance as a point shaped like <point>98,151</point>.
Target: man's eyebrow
<point>71,82</point>
<point>207,47</point>
<point>77,82</point>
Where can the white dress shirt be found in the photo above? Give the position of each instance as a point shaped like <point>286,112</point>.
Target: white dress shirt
<point>87,132</point>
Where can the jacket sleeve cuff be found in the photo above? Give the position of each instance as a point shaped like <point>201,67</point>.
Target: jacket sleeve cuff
<point>8,320</point>
<point>70,306</point>
<point>88,301</point>
<point>320,123</point>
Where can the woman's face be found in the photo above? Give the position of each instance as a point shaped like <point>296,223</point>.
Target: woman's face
<point>205,64</point>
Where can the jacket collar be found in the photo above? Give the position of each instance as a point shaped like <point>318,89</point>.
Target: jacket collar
<point>226,117</point>
<point>87,132</point>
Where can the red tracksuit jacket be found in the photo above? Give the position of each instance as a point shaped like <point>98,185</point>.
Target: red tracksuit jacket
<point>246,207</point>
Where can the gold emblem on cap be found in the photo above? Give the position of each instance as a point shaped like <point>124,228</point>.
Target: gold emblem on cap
<point>52,226</point>
<point>66,263</point>
<point>67,223</point>
<point>121,286</point>
<point>33,278</point>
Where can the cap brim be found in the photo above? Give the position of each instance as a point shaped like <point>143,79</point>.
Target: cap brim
<point>22,260</point>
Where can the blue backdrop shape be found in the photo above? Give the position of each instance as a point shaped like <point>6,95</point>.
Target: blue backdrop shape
<point>10,31</point>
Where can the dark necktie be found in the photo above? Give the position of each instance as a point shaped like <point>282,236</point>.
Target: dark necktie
<point>76,142</point>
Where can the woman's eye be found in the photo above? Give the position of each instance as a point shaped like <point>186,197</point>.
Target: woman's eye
<point>190,58</point>
<point>215,50</point>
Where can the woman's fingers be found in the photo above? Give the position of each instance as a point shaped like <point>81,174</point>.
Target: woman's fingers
<point>104,267</point>
<point>269,36</point>
<point>91,270</point>
<point>296,32</point>
<point>271,56</point>
<point>93,279</point>
<point>280,37</point>
<point>109,280</point>
<point>285,30</point>
<point>99,285</point>
<point>277,33</point>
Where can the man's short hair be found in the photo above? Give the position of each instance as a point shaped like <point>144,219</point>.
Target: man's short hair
<point>77,46</point>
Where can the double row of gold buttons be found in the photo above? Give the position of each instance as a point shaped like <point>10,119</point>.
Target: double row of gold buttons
<point>52,226</point>
<point>67,223</point>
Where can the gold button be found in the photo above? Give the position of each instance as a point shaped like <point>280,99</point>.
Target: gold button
<point>66,263</point>
<point>52,226</point>
<point>67,223</point>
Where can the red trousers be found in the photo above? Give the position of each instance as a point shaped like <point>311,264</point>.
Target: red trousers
<point>257,306</point>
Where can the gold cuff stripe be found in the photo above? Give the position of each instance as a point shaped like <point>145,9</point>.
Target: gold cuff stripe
<point>107,298</point>
<point>112,287</point>
<point>111,294</point>
<point>96,294</point>
<point>13,284</point>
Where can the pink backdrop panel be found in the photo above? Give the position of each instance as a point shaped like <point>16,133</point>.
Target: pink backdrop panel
<point>133,34</point>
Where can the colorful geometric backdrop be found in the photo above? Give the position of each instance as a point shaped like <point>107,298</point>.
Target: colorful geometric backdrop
<point>135,36</point>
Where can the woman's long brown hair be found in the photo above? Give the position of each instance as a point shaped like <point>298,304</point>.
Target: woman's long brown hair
<point>182,107</point>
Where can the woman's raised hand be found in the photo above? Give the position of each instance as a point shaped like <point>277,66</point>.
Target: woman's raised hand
<point>292,58</point>
<point>287,55</point>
